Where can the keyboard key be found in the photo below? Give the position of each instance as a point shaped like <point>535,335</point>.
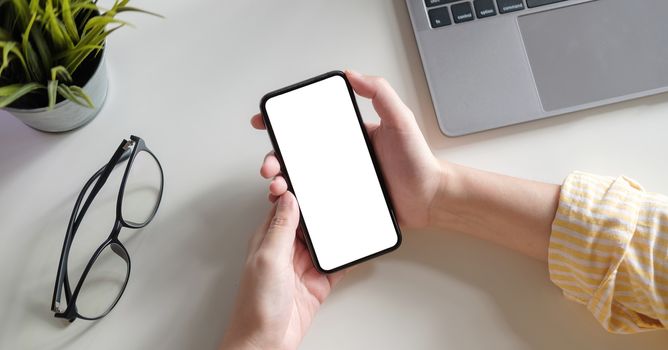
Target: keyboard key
<point>484,8</point>
<point>432,3</point>
<point>536,3</point>
<point>439,17</point>
<point>506,6</point>
<point>462,12</point>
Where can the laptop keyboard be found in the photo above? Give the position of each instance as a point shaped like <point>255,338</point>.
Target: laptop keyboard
<point>465,11</point>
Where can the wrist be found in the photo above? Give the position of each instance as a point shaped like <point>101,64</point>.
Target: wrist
<point>232,342</point>
<point>446,210</point>
<point>244,338</point>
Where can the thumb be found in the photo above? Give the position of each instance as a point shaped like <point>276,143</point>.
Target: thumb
<point>281,235</point>
<point>391,110</point>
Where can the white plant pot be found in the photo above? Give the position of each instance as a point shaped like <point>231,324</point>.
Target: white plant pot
<point>67,115</point>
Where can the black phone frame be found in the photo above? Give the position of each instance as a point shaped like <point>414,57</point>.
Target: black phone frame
<point>374,160</point>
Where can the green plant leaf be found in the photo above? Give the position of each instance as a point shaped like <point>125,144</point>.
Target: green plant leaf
<point>79,56</point>
<point>69,40</point>
<point>68,93</point>
<point>79,92</point>
<point>4,34</point>
<point>83,12</point>
<point>33,67</point>
<point>65,91</point>
<point>42,48</point>
<point>92,39</point>
<point>101,22</point>
<point>55,27</point>
<point>45,42</point>
<point>36,70</point>
<point>14,50</point>
<point>134,9</point>
<point>11,93</point>
<point>5,55</point>
<point>25,37</point>
<point>68,19</point>
<point>9,60</point>
<point>22,11</point>
<point>84,5</point>
<point>62,73</point>
<point>36,7</point>
<point>52,90</point>
<point>71,54</point>
<point>95,38</point>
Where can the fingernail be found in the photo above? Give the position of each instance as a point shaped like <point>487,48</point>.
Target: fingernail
<point>351,72</point>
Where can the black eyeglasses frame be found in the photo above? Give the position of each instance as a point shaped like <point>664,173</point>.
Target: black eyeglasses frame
<point>127,150</point>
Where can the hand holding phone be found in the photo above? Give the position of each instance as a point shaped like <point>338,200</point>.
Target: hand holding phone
<point>330,166</point>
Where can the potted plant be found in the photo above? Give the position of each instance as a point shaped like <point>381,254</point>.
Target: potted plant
<point>52,75</point>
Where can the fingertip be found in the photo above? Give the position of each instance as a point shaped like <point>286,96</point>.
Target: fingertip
<point>360,83</point>
<point>351,73</point>
<point>389,106</point>
<point>280,235</point>
<point>278,186</point>
<point>257,122</point>
<point>264,171</point>
<point>270,166</point>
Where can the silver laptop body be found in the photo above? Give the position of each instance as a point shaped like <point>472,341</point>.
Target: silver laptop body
<point>493,63</point>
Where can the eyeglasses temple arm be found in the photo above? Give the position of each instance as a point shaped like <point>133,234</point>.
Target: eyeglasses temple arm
<point>122,153</point>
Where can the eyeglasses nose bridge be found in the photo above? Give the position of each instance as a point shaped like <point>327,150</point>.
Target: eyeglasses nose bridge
<point>116,248</point>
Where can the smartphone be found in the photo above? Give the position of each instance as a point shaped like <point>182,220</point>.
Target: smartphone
<point>328,162</point>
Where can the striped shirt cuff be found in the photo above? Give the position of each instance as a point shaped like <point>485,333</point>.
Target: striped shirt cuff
<point>603,251</point>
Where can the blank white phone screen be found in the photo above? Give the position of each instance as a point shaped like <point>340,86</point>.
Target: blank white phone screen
<point>331,171</point>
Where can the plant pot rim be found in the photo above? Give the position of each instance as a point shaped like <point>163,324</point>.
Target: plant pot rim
<point>65,101</point>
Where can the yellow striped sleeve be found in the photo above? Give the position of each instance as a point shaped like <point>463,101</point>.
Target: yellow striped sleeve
<point>609,251</point>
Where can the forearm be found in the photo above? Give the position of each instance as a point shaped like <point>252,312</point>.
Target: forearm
<point>512,212</point>
<point>239,339</point>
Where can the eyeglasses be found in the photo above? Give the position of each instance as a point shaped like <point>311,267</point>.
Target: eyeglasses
<point>106,274</point>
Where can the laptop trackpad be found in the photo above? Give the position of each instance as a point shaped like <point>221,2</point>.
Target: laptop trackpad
<point>597,51</point>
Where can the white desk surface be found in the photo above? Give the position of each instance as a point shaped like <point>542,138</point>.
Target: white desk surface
<point>188,85</point>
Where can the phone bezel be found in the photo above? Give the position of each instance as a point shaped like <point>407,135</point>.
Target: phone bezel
<point>379,174</point>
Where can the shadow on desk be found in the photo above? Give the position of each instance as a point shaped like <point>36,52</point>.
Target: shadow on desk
<point>185,270</point>
<point>21,145</point>
<point>519,288</point>
<point>188,270</point>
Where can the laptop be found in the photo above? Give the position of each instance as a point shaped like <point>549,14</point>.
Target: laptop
<point>493,63</point>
